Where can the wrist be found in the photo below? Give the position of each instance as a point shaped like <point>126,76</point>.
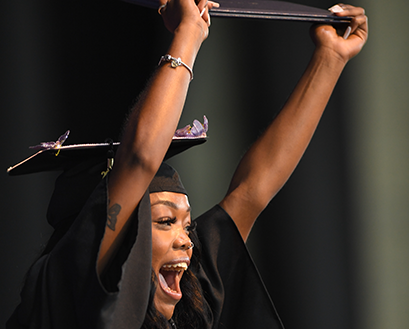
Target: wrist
<point>330,57</point>
<point>191,33</point>
<point>175,62</point>
<point>186,44</point>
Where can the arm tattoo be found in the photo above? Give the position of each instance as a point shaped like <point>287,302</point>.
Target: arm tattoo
<point>112,216</point>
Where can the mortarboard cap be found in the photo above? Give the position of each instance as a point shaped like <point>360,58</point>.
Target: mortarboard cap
<point>53,156</point>
<point>64,157</point>
<point>84,165</point>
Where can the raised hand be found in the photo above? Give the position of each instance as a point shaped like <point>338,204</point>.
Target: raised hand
<point>345,42</point>
<point>176,13</point>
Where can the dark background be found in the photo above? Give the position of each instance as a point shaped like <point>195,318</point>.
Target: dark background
<point>79,65</point>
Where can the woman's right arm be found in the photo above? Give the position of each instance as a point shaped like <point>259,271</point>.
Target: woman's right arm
<point>153,122</point>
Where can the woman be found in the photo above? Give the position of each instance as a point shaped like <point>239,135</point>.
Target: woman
<point>125,265</point>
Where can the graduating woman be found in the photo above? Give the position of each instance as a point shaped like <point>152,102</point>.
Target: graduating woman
<point>132,257</point>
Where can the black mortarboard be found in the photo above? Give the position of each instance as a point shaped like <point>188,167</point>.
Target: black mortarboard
<point>82,166</point>
<point>68,156</point>
<point>54,156</point>
<point>264,9</point>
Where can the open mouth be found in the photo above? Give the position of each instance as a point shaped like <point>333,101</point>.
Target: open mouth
<point>169,279</point>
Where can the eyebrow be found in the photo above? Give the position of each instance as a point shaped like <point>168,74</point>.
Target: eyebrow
<point>169,204</point>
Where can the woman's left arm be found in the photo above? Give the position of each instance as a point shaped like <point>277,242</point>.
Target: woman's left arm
<point>271,160</point>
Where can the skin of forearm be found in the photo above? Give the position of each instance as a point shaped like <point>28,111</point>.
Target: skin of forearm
<point>156,115</point>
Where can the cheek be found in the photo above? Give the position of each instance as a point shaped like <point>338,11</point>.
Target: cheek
<point>160,246</point>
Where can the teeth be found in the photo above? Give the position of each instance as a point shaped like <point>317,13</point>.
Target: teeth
<point>171,290</point>
<point>175,267</point>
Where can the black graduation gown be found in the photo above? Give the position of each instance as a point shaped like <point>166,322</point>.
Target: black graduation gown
<point>63,290</point>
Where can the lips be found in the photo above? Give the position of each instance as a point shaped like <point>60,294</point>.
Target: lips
<point>169,278</point>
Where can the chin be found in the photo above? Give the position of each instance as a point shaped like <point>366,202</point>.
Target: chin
<point>166,310</point>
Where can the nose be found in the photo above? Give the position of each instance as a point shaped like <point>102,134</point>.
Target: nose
<point>183,242</point>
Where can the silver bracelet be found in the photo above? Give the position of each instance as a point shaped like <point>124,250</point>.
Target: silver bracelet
<point>174,63</point>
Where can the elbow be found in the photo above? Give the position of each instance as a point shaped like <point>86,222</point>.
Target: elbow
<point>257,196</point>
<point>137,159</point>
<point>250,198</point>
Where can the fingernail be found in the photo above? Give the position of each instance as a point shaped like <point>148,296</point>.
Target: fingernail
<point>347,32</point>
<point>336,9</point>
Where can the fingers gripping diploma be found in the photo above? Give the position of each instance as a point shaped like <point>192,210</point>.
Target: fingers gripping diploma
<point>175,12</point>
<point>346,43</point>
<point>204,12</point>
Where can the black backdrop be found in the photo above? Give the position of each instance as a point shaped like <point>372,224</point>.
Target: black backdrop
<point>79,65</point>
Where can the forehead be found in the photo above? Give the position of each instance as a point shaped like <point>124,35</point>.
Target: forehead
<point>171,199</point>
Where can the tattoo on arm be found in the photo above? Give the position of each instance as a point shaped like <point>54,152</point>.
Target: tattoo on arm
<point>112,216</point>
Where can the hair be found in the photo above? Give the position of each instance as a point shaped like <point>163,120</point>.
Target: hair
<point>192,311</point>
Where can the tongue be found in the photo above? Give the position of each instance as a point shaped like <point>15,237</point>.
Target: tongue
<point>163,281</point>
<point>168,280</point>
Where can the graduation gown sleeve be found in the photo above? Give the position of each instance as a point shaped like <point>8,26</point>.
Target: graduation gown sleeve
<point>231,283</point>
<point>63,290</point>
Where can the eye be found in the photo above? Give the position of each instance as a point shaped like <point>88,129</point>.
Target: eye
<point>166,221</point>
<point>191,227</point>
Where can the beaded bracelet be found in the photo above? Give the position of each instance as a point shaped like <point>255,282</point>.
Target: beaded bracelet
<point>174,63</point>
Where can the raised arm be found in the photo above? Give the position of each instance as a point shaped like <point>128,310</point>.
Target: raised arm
<point>153,121</point>
<point>270,161</point>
